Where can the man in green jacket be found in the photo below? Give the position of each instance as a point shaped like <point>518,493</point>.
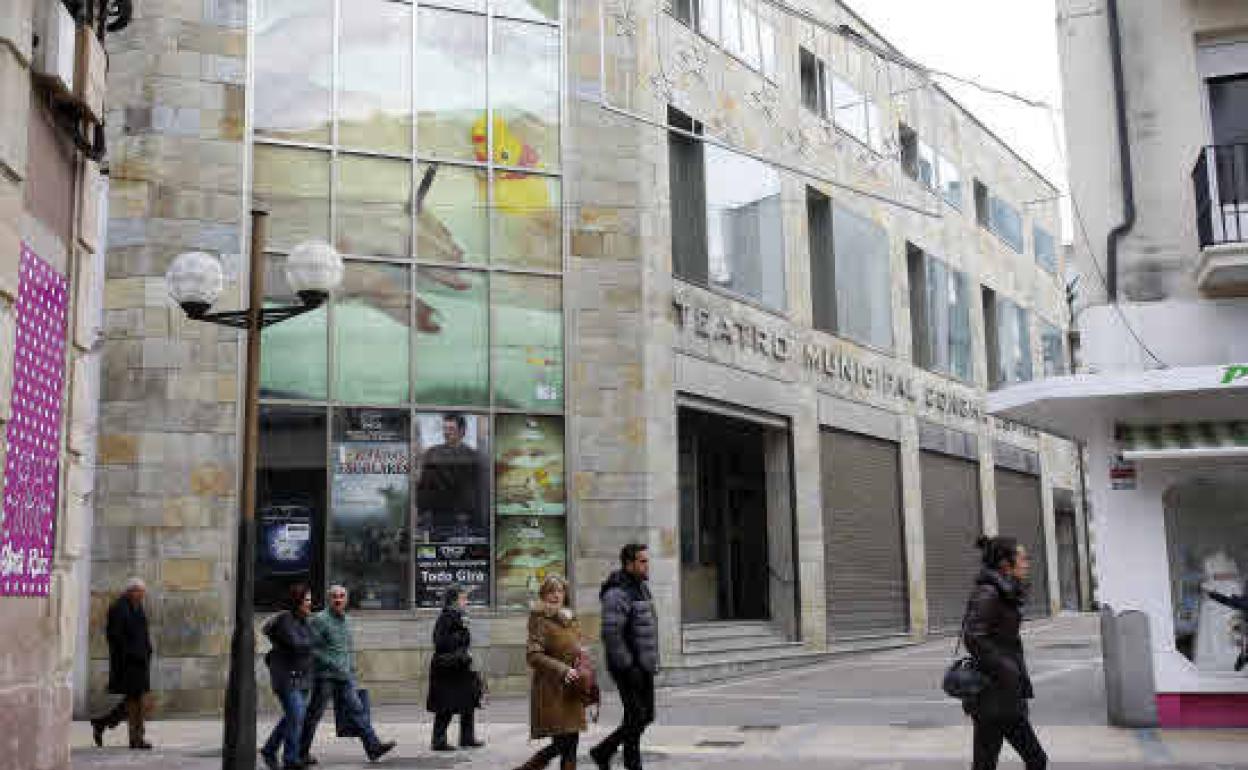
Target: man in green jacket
<point>334,662</point>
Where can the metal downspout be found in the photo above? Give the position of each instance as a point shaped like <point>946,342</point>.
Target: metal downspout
<point>1124,155</point>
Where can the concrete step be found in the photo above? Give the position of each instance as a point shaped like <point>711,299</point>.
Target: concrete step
<point>724,629</point>
<point>709,668</point>
<point>733,643</point>
<point>743,653</point>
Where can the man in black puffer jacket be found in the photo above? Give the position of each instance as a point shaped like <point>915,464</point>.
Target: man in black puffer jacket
<point>630,636</point>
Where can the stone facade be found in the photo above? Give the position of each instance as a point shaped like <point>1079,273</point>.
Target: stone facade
<point>49,201</point>
<point>168,458</point>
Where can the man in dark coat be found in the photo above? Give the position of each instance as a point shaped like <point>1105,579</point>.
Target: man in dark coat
<point>630,637</point>
<point>991,634</point>
<point>129,664</point>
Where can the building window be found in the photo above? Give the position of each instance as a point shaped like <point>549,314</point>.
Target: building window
<point>1053,351</point>
<point>727,224</point>
<point>1008,340</point>
<point>940,315</point>
<point>856,114</point>
<point>814,79</point>
<point>950,182</point>
<point>983,215</point>
<point>406,425</point>
<point>744,28</point>
<point>993,213</point>
<point>850,275</point>
<point>918,159</point>
<point>1046,249</point>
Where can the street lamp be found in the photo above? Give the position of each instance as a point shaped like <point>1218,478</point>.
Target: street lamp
<point>195,280</point>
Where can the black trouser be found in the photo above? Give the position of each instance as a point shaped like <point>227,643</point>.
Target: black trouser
<point>637,695</point>
<point>467,726</point>
<point>562,746</point>
<point>989,734</point>
<point>133,709</point>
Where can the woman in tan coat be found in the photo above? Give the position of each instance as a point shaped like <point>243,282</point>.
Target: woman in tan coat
<point>555,707</point>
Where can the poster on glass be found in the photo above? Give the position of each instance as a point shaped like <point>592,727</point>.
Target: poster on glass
<point>452,529</point>
<point>529,548</point>
<point>370,500</point>
<point>529,466</point>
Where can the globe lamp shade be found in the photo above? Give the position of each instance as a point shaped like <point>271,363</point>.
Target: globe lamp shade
<point>313,270</point>
<point>195,281</point>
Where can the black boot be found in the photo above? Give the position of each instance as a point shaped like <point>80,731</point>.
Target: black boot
<point>467,731</point>
<point>441,721</point>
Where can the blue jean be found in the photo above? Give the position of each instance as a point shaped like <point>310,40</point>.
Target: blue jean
<point>347,702</point>
<point>287,731</point>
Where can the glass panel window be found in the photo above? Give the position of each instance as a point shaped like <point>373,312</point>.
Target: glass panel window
<point>537,10</point>
<point>926,164</point>
<point>940,315</point>
<point>751,53</point>
<point>1053,350</point>
<point>525,228</point>
<point>374,208</point>
<point>452,529</point>
<point>524,92</point>
<point>767,39</point>
<point>849,110</point>
<point>1007,223</point>
<point>293,185</point>
<point>451,83</point>
<point>708,19</point>
<point>452,337</point>
<point>292,93</point>
<point>369,533</point>
<point>1046,249</point>
<point>375,76</point>
<point>950,182</point>
<point>291,478</point>
<point>294,354</point>
<point>452,214</point>
<point>862,285</point>
<point>744,227</point>
<point>530,490</point>
<point>371,318</point>
<point>1013,343</point>
<point>731,26</point>
<point>527,342</point>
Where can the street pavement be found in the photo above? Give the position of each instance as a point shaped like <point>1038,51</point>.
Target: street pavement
<point>867,711</point>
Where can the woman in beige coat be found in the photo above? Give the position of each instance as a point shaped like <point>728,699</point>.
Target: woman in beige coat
<point>556,710</point>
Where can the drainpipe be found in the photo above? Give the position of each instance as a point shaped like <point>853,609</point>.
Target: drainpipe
<point>1124,155</point>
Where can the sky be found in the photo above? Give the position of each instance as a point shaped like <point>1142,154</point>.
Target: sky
<point>1005,44</point>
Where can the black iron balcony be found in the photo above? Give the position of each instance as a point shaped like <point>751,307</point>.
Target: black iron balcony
<point>1220,184</point>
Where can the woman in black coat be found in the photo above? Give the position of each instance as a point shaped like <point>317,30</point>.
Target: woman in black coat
<point>991,635</point>
<point>454,688</point>
<point>290,672</point>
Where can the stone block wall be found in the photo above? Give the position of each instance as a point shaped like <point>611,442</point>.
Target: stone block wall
<point>165,497</point>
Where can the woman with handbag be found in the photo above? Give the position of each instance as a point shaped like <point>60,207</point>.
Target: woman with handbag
<point>454,687</point>
<point>563,680</point>
<point>991,634</point>
<point>290,673</point>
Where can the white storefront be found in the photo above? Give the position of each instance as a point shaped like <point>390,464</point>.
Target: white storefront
<point>1168,485</point>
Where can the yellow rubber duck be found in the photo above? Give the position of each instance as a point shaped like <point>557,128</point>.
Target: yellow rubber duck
<point>514,192</point>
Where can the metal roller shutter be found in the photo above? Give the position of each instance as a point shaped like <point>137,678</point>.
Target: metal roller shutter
<point>951,522</point>
<point>1020,515</point>
<point>864,543</point>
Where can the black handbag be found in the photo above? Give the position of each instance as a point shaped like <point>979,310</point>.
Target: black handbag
<point>963,679</point>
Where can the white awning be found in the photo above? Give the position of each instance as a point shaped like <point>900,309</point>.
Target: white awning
<point>1077,405</point>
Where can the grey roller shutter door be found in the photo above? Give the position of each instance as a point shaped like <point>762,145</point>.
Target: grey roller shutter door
<point>951,523</point>
<point>1020,515</point>
<point>864,543</point>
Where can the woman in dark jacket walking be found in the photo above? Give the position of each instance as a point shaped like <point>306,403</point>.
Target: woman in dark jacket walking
<point>454,687</point>
<point>290,672</point>
<point>556,707</point>
<point>991,635</point>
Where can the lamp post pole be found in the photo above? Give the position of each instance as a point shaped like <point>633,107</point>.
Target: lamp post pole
<point>195,280</point>
<point>239,750</point>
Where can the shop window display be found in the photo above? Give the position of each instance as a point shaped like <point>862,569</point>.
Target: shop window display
<point>530,500</point>
<point>452,527</point>
<point>527,342</point>
<point>369,535</point>
<point>1207,534</point>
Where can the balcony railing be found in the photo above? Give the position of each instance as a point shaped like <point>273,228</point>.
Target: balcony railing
<point>1220,182</point>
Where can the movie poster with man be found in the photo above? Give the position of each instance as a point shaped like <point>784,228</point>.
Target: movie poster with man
<point>451,503</point>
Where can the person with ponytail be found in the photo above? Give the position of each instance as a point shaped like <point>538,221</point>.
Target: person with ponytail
<point>991,635</point>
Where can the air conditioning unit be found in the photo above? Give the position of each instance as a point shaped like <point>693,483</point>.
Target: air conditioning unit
<point>56,46</point>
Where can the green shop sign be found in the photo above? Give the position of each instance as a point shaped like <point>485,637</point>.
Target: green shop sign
<point>1233,372</point>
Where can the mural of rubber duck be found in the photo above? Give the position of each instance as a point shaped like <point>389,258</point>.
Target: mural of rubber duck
<point>514,192</point>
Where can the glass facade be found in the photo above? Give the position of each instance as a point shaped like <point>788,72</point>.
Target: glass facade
<point>412,430</point>
<point>940,316</point>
